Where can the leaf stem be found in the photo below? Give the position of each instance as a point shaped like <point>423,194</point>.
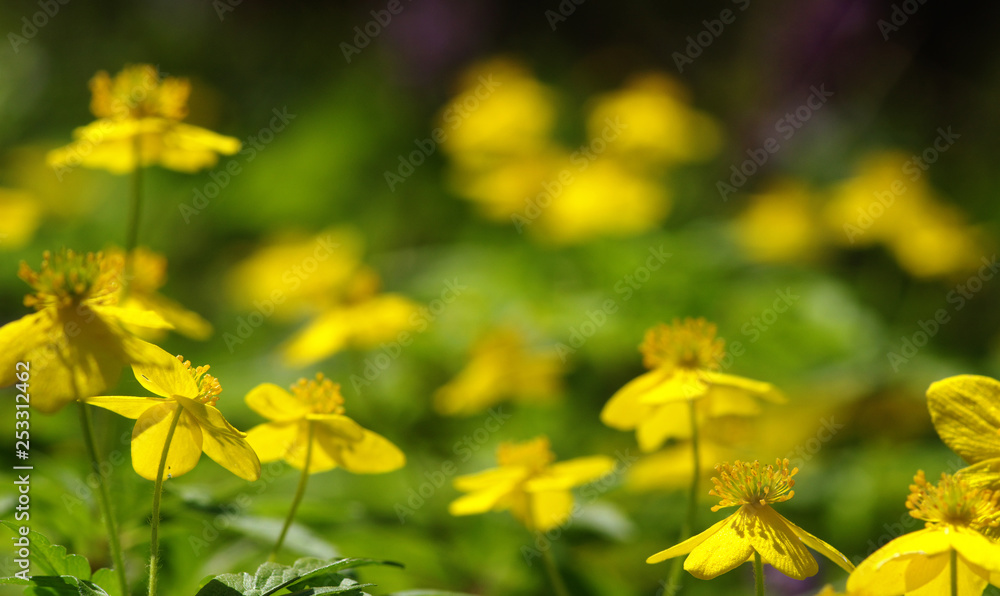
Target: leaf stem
<point>558,585</point>
<point>154,547</point>
<point>687,527</point>
<point>758,573</point>
<point>299,493</point>
<point>134,211</point>
<point>110,524</point>
<point>954,572</point>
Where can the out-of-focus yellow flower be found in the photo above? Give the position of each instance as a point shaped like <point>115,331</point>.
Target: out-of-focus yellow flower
<point>501,367</point>
<point>514,185</point>
<point>139,122</point>
<point>684,362</point>
<point>657,124</point>
<point>149,273</point>
<point>920,563</point>
<point>75,341</point>
<point>309,424</point>
<point>755,527</point>
<point>187,398</point>
<point>672,467</point>
<point>528,483</point>
<point>964,412</point>
<point>20,216</point>
<point>829,591</point>
<point>781,224</point>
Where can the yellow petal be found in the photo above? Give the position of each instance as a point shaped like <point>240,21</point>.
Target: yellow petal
<point>307,445</point>
<point>127,406</point>
<point>819,546</point>
<point>565,475</point>
<point>149,437</point>
<point>18,338</point>
<point>726,549</point>
<point>274,403</point>
<point>183,321</point>
<point>683,385</point>
<point>506,476</point>
<point>963,409</point>
<point>480,501</point>
<point>132,316</point>
<point>625,409</point>
<point>777,544</point>
<point>273,440</point>
<point>550,509</point>
<point>665,421</point>
<point>759,389</point>
<point>977,549</point>
<point>373,454</point>
<point>163,374</point>
<point>932,577</point>
<point>883,572</point>
<point>688,545</point>
<point>339,426</point>
<point>326,335</point>
<point>227,446</point>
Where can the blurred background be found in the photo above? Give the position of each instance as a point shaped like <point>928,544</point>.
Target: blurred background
<point>536,184</point>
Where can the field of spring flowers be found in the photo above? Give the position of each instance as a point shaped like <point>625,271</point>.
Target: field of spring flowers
<point>432,297</point>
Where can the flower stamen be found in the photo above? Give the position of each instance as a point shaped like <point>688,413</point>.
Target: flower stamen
<point>208,386</point>
<point>321,395</point>
<point>953,502</point>
<point>747,484</point>
<point>67,278</point>
<point>690,344</point>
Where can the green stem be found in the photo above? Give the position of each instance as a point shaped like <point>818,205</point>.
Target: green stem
<point>104,498</point>
<point>134,210</point>
<point>954,572</point>
<point>154,546</point>
<point>299,493</point>
<point>558,585</point>
<point>758,573</point>
<point>687,528</point>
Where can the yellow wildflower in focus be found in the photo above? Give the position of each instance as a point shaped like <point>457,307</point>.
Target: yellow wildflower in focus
<point>781,225</point>
<point>754,527</point>
<point>528,483</point>
<point>501,367</point>
<point>75,340</point>
<point>189,395</point>
<point>308,423</point>
<point>139,122</point>
<point>958,520</point>
<point>656,123</point>
<point>683,359</point>
<point>964,412</point>
<point>149,274</point>
<point>20,216</point>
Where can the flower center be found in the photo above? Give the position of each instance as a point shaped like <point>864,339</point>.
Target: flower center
<point>138,92</point>
<point>535,454</point>
<point>321,395</point>
<point>67,278</point>
<point>690,344</point>
<point>747,484</point>
<point>953,502</point>
<point>208,386</point>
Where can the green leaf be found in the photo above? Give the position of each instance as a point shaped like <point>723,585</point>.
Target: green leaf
<point>428,593</point>
<point>272,577</point>
<point>345,586</point>
<point>55,572</point>
<point>58,585</point>
<point>49,559</point>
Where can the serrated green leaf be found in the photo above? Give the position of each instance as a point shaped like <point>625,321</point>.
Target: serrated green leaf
<point>428,593</point>
<point>49,559</point>
<point>346,586</point>
<point>272,577</point>
<point>62,585</point>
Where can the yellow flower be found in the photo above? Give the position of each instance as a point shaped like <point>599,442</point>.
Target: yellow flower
<point>190,394</point>
<point>20,216</point>
<point>684,361</point>
<point>501,367</point>
<point>535,490</point>
<point>149,274</point>
<point>310,421</point>
<point>781,225</point>
<point>672,467</point>
<point>75,341</point>
<point>755,527</point>
<point>138,112</point>
<point>919,563</point>
<point>964,412</point>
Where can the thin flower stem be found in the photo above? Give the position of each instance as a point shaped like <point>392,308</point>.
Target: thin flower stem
<point>954,572</point>
<point>134,211</point>
<point>558,585</point>
<point>687,528</point>
<point>154,546</point>
<point>758,573</point>
<point>110,524</point>
<point>299,493</point>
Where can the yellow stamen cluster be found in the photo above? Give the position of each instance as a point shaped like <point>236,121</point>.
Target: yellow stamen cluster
<point>747,484</point>
<point>208,386</point>
<point>66,278</point>
<point>953,502</point>
<point>690,344</point>
<point>535,454</point>
<point>138,92</point>
<point>321,395</point>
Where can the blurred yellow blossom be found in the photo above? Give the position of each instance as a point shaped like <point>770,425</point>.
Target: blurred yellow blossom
<point>75,340</point>
<point>781,224</point>
<point>754,528</point>
<point>139,122</point>
<point>960,530</point>
<point>964,412</point>
<point>20,216</point>
<point>683,359</point>
<point>501,367</point>
<point>149,274</point>
<point>308,425</point>
<point>672,467</point>
<point>528,483</point>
